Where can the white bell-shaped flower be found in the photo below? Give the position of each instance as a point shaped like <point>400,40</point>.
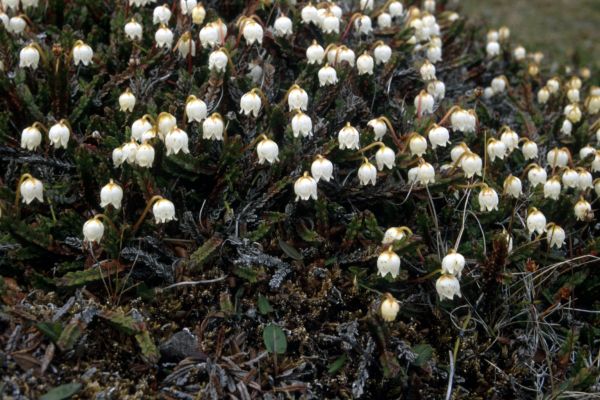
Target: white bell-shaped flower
<point>59,134</point>
<point>82,53</point>
<point>365,64</point>
<point>195,109</point>
<point>127,101</point>
<point>552,188</point>
<point>425,173</point>
<point>496,149</point>
<point>134,30</point>
<point>385,157</point>
<point>301,125</point>
<point>447,286</point>
<point>543,95</point>
<point>309,14</point>
<point>519,53</point>
<point>175,141</point>
<point>322,168</point>
<point>536,221</point>
<point>327,76</point>
<point>384,20</point>
<point>297,98</point>
<point>198,14</point>
<point>424,103</point>
<point>31,137</point>
<point>395,234</point>
<point>367,173</point>
<point>267,150</point>
<point>31,189</point>
<point>536,175</point>
<point>10,5</point>
<point>29,56</point>
<point>584,179</point>
<point>186,46</point>
<point>93,230</point>
<point>118,157</point>
<point>165,123</point>
<point>187,6</point>
<point>586,151</point>
<point>252,31</point>
<point>529,150</point>
<point>379,127</point>
<point>251,103</point>
<point>510,140</point>
<point>213,127</point>
<point>573,95</point>
<point>209,35</point>
<point>596,162</point>
<point>388,262</point>
<point>129,151</point>
<point>161,15</point>
<point>555,235</point>
<point>488,199</point>
<point>330,23</point>
<point>382,53</point>
<point>458,150</point>
<point>349,138</point>
<point>427,71</point>
<point>217,61</point>
<point>163,37</point>
<point>305,187</point>
<point>492,49</point>
<point>417,144</point>
<point>453,263</point>
<point>395,9</point>
<point>140,126</point>
<point>464,120</point>
<point>315,53</point>
<point>499,84</point>
<point>558,157</point>
<point>570,178</point>
<point>583,210</point>
<point>363,25</point>
<point>283,27</point>
<point>17,25</point>
<point>573,113</point>
<point>144,156</point>
<point>163,210</point>
<point>438,136</point>
<point>513,186</point>
<point>112,194</point>
<point>471,164</point>
<point>389,308</point>
<point>434,53</point>
<point>437,89</point>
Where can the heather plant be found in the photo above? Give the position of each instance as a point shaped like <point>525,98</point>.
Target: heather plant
<point>281,199</point>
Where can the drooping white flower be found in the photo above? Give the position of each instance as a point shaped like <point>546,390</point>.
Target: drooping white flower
<point>161,15</point>
<point>536,221</point>
<point>297,98</point>
<point>382,53</point>
<point>321,168</point>
<point>195,109</point>
<point>252,31</point>
<point>584,179</point>
<point>163,37</point>
<point>395,9</point>
<point>29,56</point>
<point>471,164</point>
<point>385,157</point>
<point>217,61</point>
<point>82,53</point>
<point>327,76</point>
<point>447,287</point>
<point>309,14</point>
<point>425,173</point>
<point>267,150</point>
<point>434,53</point>
<point>536,175</point>
<point>59,134</point>
<point>529,150</point>
<point>315,53</point>
<point>93,230</point>
<point>573,113</point>
<point>175,141</point>
<point>438,136</point>
<point>112,194</point>
<point>127,101</point>
<point>570,178</point>
<point>573,95</point>
<point>384,20</point>
<point>31,137</point>
<point>129,150</point>
<point>365,64</point>
<point>198,14</point>
<point>492,49</point>
<point>496,149</point>
<point>543,95</point>
<point>330,23</point>
<point>395,234</point>
<point>139,127</point>
<point>144,156</point>
<point>458,150</point>
<point>31,189</point>
<point>251,103</point>
<point>417,144</point>
<point>283,26</point>
<point>519,53</point>
<point>488,199</point>
<point>510,140</point>
<point>558,157</point>
<point>17,25</point>
<point>388,262</point>
<point>499,84</point>
<point>165,123</point>
<point>427,71</point>
<point>187,6</point>
<point>552,188</point>
<point>424,103</point>
<point>379,127</point>
<point>363,25</point>
<point>513,186</point>
<point>437,89</point>
<point>301,125</point>
<point>163,210</point>
<point>464,120</point>
<point>118,157</point>
<point>389,308</point>
<point>349,138</point>
<point>555,235</point>
<point>186,46</point>
<point>453,263</point>
<point>213,127</point>
<point>305,187</point>
<point>583,210</point>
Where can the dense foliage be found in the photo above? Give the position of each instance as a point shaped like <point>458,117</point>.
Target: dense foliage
<point>253,293</point>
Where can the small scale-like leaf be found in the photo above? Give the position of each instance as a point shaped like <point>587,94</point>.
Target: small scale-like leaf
<point>274,339</point>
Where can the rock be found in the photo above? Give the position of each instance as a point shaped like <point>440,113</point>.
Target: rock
<point>179,346</point>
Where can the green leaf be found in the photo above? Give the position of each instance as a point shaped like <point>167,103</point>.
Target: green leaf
<point>62,392</point>
<point>248,274</point>
<point>70,335</point>
<point>200,256</point>
<point>338,364</point>
<point>264,307</point>
<point>147,346</point>
<point>290,250</point>
<point>122,322</point>
<point>81,278</point>
<point>274,339</point>
<point>52,330</point>
<point>424,354</point>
